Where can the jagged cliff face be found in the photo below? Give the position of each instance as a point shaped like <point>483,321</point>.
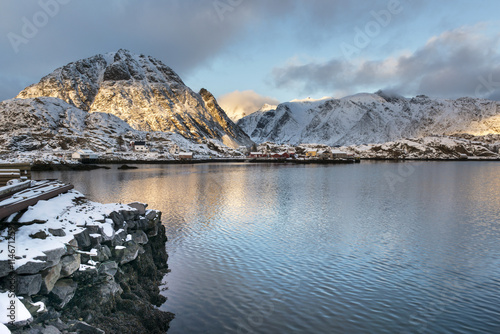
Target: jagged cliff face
<point>142,91</point>
<point>371,118</point>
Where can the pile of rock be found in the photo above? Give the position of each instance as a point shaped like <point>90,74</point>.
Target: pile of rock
<point>106,278</point>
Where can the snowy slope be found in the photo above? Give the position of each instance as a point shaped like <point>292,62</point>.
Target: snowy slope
<point>50,123</point>
<point>371,118</point>
<point>35,127</point>
<point>140,90</point>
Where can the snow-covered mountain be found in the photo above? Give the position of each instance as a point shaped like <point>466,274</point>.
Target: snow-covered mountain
<point>142,91</point>
<point>35,127</point>
<point>371,118</point>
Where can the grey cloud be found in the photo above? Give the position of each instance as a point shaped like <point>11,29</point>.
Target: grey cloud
<point>237,104</point>
<point>462,62</point>
<point>184,34</point>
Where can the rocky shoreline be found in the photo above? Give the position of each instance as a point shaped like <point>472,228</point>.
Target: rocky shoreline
<point>84,268</point>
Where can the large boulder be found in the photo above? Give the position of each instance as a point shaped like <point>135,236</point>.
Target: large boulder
<point>108,268</point>
<point>28,285</point>
<point>31,267</point>
<point>83,240</point>
<point>126,253</point>
<point>140,207</point>
<point>54,255</point>
<point>63,291</point>
<point>70,264</point>
<point>4,268</point>
<point>139,237</point>
<point>50,277</point>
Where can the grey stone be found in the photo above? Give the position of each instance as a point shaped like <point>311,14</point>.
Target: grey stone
<point>140,207</point>
<point>57,232</point>
<point>50,330</point>
<point>149,224</point>
<point>83,240</point>
<point>95,240</point>
<point>108,268</point>
<point>54,255</point>
<point>71,247</point>
<point>39,235</point>
<point>131,224</point>
<point>70,264</point>
<point>139,237</point>
<point>103,253</point>
<point>126,253</point>
<point>63,291</point>
<point>50,277</point>
<point>28,285</point>
<point>130,215</point>
<point>85,275</point>
<point>107,290</point>
<point>141,250</point>
<point>59,324</point>
<point>4,268</point>
<point>153,232</point>
<point>117,219</point>
<point>119,238</point>
<point>84,328</point>
<point>106,237</point>
<point>151,214</point>
<point>31,268</point>
<point>93,229</point>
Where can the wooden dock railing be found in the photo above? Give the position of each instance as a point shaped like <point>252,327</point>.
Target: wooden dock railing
<point>14,171</point>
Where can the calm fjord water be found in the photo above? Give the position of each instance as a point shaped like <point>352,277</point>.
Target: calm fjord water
<point>366,248</point>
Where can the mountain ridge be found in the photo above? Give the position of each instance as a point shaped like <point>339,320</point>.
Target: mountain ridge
<point>371,118</point>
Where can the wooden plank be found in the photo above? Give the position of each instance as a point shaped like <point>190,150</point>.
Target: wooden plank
<point>43,187</point>
<point>13,171</point>
<point>12,208</point>
<point>11,190</point>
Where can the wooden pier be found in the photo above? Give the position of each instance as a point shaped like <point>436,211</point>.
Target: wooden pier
<point>20,196</point>
<point>14,171</point>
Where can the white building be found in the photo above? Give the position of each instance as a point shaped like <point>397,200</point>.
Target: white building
<point>84,154</point>
<point>140,146</point>
<point>174,149</point>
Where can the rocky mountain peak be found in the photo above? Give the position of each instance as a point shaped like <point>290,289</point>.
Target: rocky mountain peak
<point>140,90</point>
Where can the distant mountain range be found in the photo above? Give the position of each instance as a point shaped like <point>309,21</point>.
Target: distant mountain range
<point>371,118</point>
<point>102,101</point>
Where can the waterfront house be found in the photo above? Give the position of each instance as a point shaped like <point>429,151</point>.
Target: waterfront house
<point>281,155</point>
<point>311,153</point>
<point>336,154</point>
<point>325,155</point>
<point>81,155</point>
<point>140,146</point>
<point>256,155</point>
<point>185,156</point>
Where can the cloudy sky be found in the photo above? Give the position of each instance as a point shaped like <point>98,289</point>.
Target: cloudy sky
<point>264,51</point>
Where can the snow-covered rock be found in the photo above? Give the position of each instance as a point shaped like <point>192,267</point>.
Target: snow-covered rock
<point>371,118</point>
<point>76,278</point>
